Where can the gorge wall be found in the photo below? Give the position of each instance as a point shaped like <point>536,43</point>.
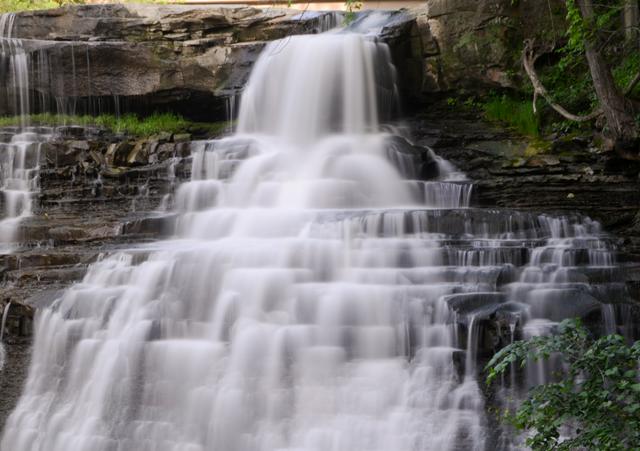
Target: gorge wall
<point>100,191</point>
<point>191,59</point>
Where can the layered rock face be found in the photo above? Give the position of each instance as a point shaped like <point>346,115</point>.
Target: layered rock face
<point>469,44</point>
<point>192,60</point>
<point>98,192</point>
<point>480,41</point>
<point>144,58</point>
<point>569,178</point>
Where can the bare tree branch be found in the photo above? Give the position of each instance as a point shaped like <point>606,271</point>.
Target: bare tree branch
<point>632,84</point>
<point>529,58</point>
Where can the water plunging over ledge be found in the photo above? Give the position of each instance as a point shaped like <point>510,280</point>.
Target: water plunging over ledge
<point>20,164</point>
<point>19,147</point>
<point>318,295</point>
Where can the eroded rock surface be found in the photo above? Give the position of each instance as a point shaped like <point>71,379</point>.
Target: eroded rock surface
<point>567,177</point>
<point>193,59</point>
<point>187,59</point>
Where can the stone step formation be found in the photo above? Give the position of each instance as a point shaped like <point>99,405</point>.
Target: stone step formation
<point>314,281</point>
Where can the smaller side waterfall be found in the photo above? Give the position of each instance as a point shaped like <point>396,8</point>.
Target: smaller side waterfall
<point>19,178</point>
<point>33,80</point>
<point>14,70</point>
<point>20,148</point>
<point>3,324</point>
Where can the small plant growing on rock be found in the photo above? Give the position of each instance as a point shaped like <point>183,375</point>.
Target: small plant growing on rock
<point>351,7</point>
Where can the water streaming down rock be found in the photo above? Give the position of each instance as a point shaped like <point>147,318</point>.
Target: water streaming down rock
<point>19,148</point>
<point>31,71</point>
<point>19,178</point>
<point>319,293</point>
<point>14,70</point>
<point>3,324</point>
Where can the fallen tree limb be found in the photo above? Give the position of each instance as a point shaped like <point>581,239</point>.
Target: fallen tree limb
<point>632,84</point>
<point>529,58</point>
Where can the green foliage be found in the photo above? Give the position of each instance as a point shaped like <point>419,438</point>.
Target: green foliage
<point>595,405</point>
<point>513,112</point>
<point>351,6</point>
<point>567,77</point>
<point>129,124</point>
<point>133,125</point>
<point>576,31</point>
<point>606,19</point>
<point>24,5</point>
<point>626,71</point>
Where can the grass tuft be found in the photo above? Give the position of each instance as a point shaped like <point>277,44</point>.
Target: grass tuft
<point>128,124</point>
<point>515,113</point>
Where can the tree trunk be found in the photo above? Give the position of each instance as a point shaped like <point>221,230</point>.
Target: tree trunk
<point>615,107</point>
<point>631,22</point>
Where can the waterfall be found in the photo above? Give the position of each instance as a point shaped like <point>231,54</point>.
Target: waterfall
<point>20,154</point>
<point>3,324</point>
<point>14,69</point>
<point>318,294</point>
<point>19,178</point>
<point>33,74</point>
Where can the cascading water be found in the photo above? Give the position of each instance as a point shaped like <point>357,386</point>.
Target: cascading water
<point>20,148</point>
<point>14,69</point>
<point>33,71</point>
<point>19,165</point>
<point>3,324</point>
<point>316,297</point>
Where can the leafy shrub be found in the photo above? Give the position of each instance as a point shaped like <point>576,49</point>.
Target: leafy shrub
<point>596,405</point>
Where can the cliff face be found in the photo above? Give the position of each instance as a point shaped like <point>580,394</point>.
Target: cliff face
<point>151,57</point>
<point>193,59</point>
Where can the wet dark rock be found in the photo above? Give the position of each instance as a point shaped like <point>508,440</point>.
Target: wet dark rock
<point>482,304</point>
<point>413,161</point>
<point>181,137</point>
<point>14,373</point>
<point>118,153</point>
<point>157,226</point>
<point>138,155</point>
<point>560,304</point>
<point>506,173</point>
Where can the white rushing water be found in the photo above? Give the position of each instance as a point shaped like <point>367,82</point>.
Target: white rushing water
<point>14,70</point>
<point>19,178</point>
<point>313,296</point>
<point>48,76</point>
<point>20,148</point>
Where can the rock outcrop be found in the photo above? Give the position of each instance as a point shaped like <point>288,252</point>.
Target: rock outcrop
<point>98,192</point>
<point>142,58</point>
<point>567,175</point>
<point>194,59</point>
<point>469,44</point>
